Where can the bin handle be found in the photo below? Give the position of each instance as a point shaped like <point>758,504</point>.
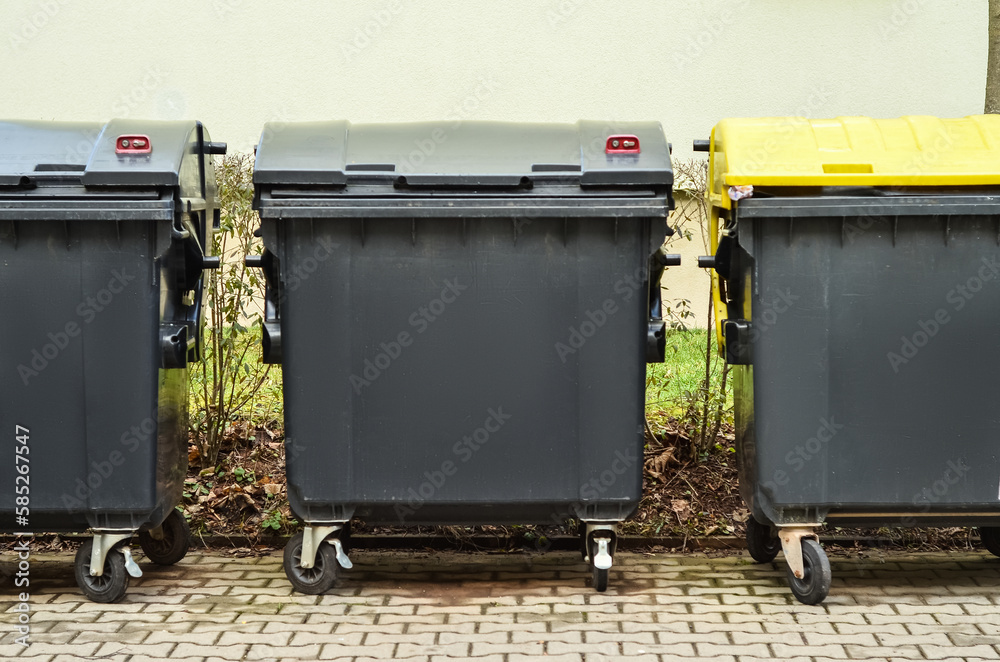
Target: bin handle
<point>655,334</point>
<point>271,332</point>
<point>216,148</point>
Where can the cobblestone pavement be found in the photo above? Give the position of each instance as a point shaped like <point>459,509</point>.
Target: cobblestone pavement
<point>506,608</point>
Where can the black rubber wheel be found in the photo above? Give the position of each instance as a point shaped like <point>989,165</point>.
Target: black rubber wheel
<point>109,587</point>
<point>175,543</point>
<point>598,577</point>
<point>814,586</point>
<point>315,580</point>
<point>990,537</point>
<point>762,544</point>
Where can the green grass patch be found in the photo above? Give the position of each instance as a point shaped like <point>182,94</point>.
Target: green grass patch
<point>265,407</point>
<point>673,385</point>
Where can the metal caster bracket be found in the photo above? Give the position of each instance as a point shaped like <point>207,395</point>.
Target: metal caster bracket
<point>602,560</point>
<point>313,536</point>
<point>791,545</point>
<point>604,535</point>
<point>103,542</point>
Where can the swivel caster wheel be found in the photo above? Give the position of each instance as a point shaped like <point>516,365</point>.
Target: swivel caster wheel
<point>173,543</point>
<point>814,585</point>
<point>600,561</point>
<point>108,587</point>
<point>762,542</point>
<point>315,580</point>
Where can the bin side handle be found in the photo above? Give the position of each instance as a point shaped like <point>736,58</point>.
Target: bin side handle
<point>656,340</point>
<point>271,332</point>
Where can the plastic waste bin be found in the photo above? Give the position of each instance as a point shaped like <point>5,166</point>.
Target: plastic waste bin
<point>463,313</point>
<point>857,287</point>
<point>104,232</point>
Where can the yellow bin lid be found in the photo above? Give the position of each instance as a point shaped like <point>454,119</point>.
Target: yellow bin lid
<point>854,151</point>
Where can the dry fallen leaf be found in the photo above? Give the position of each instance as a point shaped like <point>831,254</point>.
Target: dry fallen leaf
<point>681,507</point>
<point>657,466</point>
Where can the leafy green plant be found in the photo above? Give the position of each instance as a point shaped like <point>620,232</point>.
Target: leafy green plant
<point>195,489</point>
<point>275,520</point>
<point>231,374</point>
<point>244,475</point>
<point>705,404</point>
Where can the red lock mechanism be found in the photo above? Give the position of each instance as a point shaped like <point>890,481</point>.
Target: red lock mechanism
<point>133,144</point>
<point>622,144</point>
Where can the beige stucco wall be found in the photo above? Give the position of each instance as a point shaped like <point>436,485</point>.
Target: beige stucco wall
<point>235,64</point>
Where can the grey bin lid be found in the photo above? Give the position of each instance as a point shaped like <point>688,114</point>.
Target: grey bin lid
<point>467,154</point>
<point>31,152</point>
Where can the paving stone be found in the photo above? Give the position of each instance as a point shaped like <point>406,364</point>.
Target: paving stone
<point>445,606</point>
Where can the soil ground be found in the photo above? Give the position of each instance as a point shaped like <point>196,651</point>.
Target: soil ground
<point>686,501</point>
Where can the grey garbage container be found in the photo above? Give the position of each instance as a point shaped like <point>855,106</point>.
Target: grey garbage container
<point>463,313</point>
<point>858,286</point>
<point>104,232</point>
